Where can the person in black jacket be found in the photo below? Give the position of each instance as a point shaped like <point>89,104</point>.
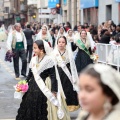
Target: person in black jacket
<point>105,39</point>
<point>28,34</point>
<point>117,36</point>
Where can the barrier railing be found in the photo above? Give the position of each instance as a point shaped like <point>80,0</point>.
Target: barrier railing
<point>109,54</point>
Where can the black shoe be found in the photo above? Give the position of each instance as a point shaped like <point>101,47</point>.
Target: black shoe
<point>24,75</point>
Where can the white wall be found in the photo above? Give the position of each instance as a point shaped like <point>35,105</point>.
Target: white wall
<point>102,11</point>
<point>42,3</point>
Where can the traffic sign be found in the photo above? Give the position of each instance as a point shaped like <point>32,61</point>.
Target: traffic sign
<point>53,11</point>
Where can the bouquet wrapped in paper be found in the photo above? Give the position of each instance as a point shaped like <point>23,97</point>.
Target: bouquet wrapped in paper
<point>20,89</point>
<point>94,57</point>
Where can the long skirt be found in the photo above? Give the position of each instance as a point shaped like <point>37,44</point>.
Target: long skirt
<point>35,105</point>
<point>82,60</point>
<point>71,95</point>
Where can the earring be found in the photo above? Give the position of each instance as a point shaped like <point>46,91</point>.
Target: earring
<point>41,52</point>
<point>107,107</point>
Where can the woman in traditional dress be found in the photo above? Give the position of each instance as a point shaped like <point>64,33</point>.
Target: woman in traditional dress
<point>44,34</point>
<point>11,29</point>
<point>43,100</point>
<point>70,35</point>
<point>61,32</point>
<point>99,93</point>
<point>67,72</point>
<point>84,51</point>
<point>3,33</point>
<point>70,38</point>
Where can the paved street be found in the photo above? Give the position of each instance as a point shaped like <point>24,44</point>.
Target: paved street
<point>9,105</point>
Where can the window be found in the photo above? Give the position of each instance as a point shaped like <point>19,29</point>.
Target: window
<point>108,12</point>
<point>6,9</point>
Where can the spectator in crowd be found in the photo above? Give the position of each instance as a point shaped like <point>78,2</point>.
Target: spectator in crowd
<point>93,30</point>
<point>105,38</point>
<point>53,27</point>
<point>113,27</point>
<point>28,34</point>
<point>75,28</point>
<point>95,38</point>
<point>106,26</point>
<point>102,25</point>
<point>110,23</point>
<point>99,31</point>
<point>86,24</point>
<point>112,40</point>
<point>79,28</point>
<point>117,36</point>
<point>68,26</point>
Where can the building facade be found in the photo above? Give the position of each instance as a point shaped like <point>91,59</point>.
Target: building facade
<point>71,11</point>
<point>75,11</point>
<point>15,11</point>
<point>109,10</point>
<point>89,11</point>
<point>80,11</point>
<point>1,10</point>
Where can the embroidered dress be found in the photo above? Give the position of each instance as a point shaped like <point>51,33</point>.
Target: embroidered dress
<point>35,105</point>
<point>82,58</point>
<point>47,37</point>
<point>71,95</point>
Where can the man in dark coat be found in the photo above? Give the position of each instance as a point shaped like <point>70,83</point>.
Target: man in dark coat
<point>28,34</point>
<point>105,39</point>
<point>117,36</point>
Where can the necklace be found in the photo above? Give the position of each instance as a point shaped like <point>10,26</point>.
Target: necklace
<point>83,41</point>
<point>37,65</point>
<point>62,55</point>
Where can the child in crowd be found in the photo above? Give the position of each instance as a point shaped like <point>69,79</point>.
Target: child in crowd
<point>95,38</point>
<point>112,40</point>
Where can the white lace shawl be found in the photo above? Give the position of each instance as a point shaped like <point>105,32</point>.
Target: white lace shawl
<point>46,63</point>
<point>69,38</point>
<point>89,40</point>
<point>69,59</point>
<point>48,36</point>
<point>59,34</point>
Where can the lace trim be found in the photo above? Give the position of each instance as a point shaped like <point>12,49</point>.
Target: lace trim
<point>45,64</point>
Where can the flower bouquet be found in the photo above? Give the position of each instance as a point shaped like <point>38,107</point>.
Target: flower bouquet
<point>9,55</point>
<point>20,89</point>
<point>94,57</point>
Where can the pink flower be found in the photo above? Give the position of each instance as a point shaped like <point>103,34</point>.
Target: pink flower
<point>24,88</point>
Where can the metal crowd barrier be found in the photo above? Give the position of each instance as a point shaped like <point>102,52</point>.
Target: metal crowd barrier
<point>109,54</point>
